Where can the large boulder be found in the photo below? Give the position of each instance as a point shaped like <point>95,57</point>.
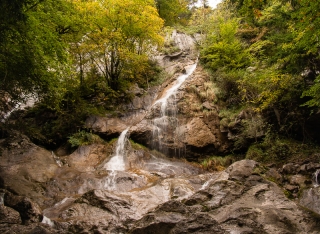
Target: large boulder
<point>87,158</point>
<point>241,202</point>
<point>142,132</point>
<point>24,167</point>
<point>198,134</point>
<point>9,216</point>
<point>107,126</point>
<point>310,199</point>
<point>30,211</point>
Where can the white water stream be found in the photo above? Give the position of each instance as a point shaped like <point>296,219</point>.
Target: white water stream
<point>117,162</point>
<point>165,130</point>
<point>48,221</point>
<point>316,177</point>
<point>172,91</point>
<point>30,101</point>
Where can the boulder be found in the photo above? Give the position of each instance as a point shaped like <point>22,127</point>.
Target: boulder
<point>107,126</point>
<point>241,202</point>
<point>209,106</point>
<point>300,180</point>
<point>241,170</point>
<point>290,168</point>
<point>9,215</point>
<point>309,167</point>
<point>87,158</point>
<point>174,217</point>
<point>274,175</point>
<point>30,211</point>
<point>34,228</point>
<point>142,132</point>
<point>310,199</point>
<point>24,167</point>
<point>198,134</point>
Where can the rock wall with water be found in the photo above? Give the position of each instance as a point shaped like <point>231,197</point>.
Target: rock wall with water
<point>149,194</point>
<point>123,187</point>
<point>179,117</point>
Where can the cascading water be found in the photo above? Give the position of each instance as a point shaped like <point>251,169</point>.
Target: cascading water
<point>316,178</point>
<point>30,101</point>
<point>117,162</point>
<point>1,199</point>
<point>165,127</point>
<point>48,221</point>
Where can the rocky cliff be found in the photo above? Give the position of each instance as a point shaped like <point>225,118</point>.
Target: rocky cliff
<point>42,192</point>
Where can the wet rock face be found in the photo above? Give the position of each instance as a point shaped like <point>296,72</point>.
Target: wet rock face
<point>244,203</point>
<point>107,126</point>
<point>9,215</point>
<point>30,211</point>
<point>153,195</point>
<point>310,199</point>
<point>186,130</point>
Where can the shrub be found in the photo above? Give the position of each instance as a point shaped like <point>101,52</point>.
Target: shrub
<point>84,138</point>
<point>217,163</point>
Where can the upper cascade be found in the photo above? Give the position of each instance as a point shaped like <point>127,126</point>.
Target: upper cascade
<point>171,91</point>
<point>166,124</point>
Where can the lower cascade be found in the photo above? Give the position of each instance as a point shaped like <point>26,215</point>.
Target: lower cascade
<point>316,178</point>
<point>117,163</point>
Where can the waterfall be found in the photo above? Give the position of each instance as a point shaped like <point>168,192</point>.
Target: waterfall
<point>2,199</point>
<point>57,159</point>
<point>165,127</point>
<point>30,101</point>
<point>116,163</point>
<point>316,178</point>
<point>48,221</point>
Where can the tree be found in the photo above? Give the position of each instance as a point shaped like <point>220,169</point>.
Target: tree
<point>33,48</point>
<point>173,11</point>
<point>120,32</point>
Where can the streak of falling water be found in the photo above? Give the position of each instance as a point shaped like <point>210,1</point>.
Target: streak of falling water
<point>1,198</point>
<point>168,122</point>
<point>164,100</point>
<point>316,178</point>
<point>117,162</point>
<point>48,221</point>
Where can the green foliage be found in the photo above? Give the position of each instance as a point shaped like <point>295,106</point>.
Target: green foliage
<point>228,85</point>
<point>277,149</point>
<point>48,48</point>
<point>244,125</point>
<point>137,146</point>
<point>32,50</point>
<point>223,49</point>
<point>84,138</point>
<point>217,163</point>
<point>120,36</point>
<point>314,93</point>
<point>173,11</point>
<point>258,52</point>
